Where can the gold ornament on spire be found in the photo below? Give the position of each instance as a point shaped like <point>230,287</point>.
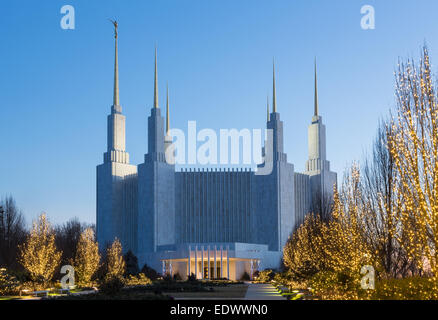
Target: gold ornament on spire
<point>116,100</point>
<point>116,25</point>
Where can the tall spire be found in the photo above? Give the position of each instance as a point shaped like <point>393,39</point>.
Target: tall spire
<point>267,108</point>
<point>316,91</point>
<point>116,100</point>
<point>274,103</point>
<point>116,142</point>
<point>156,82</point>
<point>167,109</point>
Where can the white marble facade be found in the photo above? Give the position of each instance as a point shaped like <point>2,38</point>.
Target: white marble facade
<point>168,218</point>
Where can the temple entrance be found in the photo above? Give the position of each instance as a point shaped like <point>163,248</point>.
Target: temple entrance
<point>210,271</point>
<point>210,262</point>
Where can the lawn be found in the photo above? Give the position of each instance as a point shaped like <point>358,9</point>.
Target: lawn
<point>5,298</point>
<point>158,290</point>
<point>230,291</point>
<point>123,295</point>
<point>162,290</point>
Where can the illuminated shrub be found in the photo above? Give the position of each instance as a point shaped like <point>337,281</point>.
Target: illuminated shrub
<point>265,275</point>
<point>39,255</point>
<point>138,280</point>
<point>87,260</point>
<point>115,262</point>
<point>8,284</point>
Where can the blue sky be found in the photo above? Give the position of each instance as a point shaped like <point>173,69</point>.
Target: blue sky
<point>56,85</point>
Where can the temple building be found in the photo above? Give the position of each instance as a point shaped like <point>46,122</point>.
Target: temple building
<point>212,223</point>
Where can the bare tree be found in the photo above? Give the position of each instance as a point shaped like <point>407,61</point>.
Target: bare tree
<point>383,227</point>
<point>67,238</point>
<point>12,233</point>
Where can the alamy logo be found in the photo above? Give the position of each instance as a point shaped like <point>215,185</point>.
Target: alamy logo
<point>368,21</point>
<point>68,20</point>
<point>68,280</point>
<point>229,150</point>
<point>368,280</point>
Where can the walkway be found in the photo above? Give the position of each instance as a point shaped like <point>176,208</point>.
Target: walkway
<point>259,291</point>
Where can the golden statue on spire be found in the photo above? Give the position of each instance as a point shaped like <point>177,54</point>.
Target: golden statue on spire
<point>114,22</point>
